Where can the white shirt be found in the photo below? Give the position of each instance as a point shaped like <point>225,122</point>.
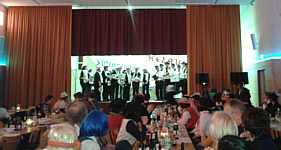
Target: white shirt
<point>101,78</point>
<point>60,104</point>
<point>159,75</point>
<point>183,74</point>
<point>85,73</point>
<point>91,78</point>
<point>166,73</point>
<point>135,77</point>
<point>184,118</point>
<point>90,144</point>
<point>175,75</point>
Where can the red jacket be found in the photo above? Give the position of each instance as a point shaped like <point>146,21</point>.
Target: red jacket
<point>194,117</point>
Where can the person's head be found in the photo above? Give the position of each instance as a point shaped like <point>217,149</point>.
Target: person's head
<point>90,70</point>
<point>184,64</point>
<point>117,106</point>
<point>145,70</point>
<point>92,96</point>
<point>48,99</point>
<point>78,96</point>
<point>178,67</point>
<point>98,68</point>
<point>128,69</point>
<point>173,65</point>
<point>63,136</point>
<point>136,69</point>
<point>226,93</point>
<point>273,98</point>
<point>76,112</point>
<point>63,95</point>
<point>131,112</point>
<point>222,124</point>
<point>230,142</point>
<point>119,68</point>
<point>167,64</point>
<point>265,97</point>
<point>95,124</point>
<point>105,68</point>
<point>138,98</point>
<point>235,108</point>
<point>257,122</point>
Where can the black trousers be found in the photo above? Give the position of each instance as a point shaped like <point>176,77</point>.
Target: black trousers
<point>145,89</point>
<point>136,86</point>
<point>105,92</point>
<point>114,89</point>
<point>166,83</point>
<point>97,91</point>
<point>126,95</point>
<point>183,85</point>
<point>159,90</point>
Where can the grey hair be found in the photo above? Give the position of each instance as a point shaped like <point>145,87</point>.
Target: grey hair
<point>76,112</point>
<point>222,124</point>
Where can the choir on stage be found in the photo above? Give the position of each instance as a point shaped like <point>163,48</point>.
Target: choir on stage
<point>125,82</point>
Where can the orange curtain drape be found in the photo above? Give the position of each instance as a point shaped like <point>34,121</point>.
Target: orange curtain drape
<point>213,44</point>
<point>38,53</point>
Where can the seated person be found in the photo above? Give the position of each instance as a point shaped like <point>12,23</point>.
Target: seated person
<point>45,107</point>
<point>130,130</point>
<point>4,115</point>
<point>273,106</point>
<point>92,99</point>
<point>115,119</point>
<point>221,124</point>
<point>189,116</point>
<point>230,142</point>
<point>257,125</point>
<point>61,104</point>
<point>63,136</point>
<point>75,114</point>
<point>92,130</point>
<point>78,96</point>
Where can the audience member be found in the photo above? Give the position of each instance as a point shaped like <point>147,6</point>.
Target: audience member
<point>189,116</point>
<point>92,130</point>
<point>61,103</point>
<point>235,108</point>
<point>257,125</point>
<point>273,106</point>
<point>45,106</point>
<point>78,96</point>
<point>221,124</point>
<point>230,142</point>
<point>63,137</point>
<point>115,119</point>
<point>75,113</point>
<point>129,130</point>
<point>93,101</point>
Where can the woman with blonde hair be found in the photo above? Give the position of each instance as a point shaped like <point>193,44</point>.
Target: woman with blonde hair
<point>221,124</point>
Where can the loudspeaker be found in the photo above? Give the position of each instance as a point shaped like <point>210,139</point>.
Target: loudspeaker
<point>254,41</point>
<point>239,78</point>
<point>202,79</point>
<point>80,62</point>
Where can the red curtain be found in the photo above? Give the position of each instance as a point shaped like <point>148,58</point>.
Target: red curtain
<point>121,32</point>
<point>38,54</point>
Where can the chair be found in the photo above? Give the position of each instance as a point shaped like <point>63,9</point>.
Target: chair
<point>11,143</point>
<point>111,136</point>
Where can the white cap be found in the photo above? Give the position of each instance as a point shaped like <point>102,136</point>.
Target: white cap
<point>98,66</point>
<point>63,95</point>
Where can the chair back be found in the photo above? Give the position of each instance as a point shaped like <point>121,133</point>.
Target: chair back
<point>11,143</point>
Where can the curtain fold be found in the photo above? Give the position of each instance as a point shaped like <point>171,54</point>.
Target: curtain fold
<point>38,53</point>
<point>123,32</point>
<point>213,44</point>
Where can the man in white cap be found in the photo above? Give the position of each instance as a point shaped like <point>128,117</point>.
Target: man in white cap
<point>136,81</point>
<point>61,103</point>
<point>183,78</point>
<point>128,77</point>
<point>98,81</point>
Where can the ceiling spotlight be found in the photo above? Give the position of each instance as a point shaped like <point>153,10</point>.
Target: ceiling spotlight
<point>130,8</point>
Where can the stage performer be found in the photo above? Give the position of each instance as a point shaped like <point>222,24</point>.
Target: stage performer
<point>158,77</point>
<point>136,81</point>
<point>166,75</point>
<point>127,86</point>
<point>175,76</point>
<point>145,83</point>
<point>84,80</point>
<point>106,83</point>
<point>98,81</point>
<point>183,78</point>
